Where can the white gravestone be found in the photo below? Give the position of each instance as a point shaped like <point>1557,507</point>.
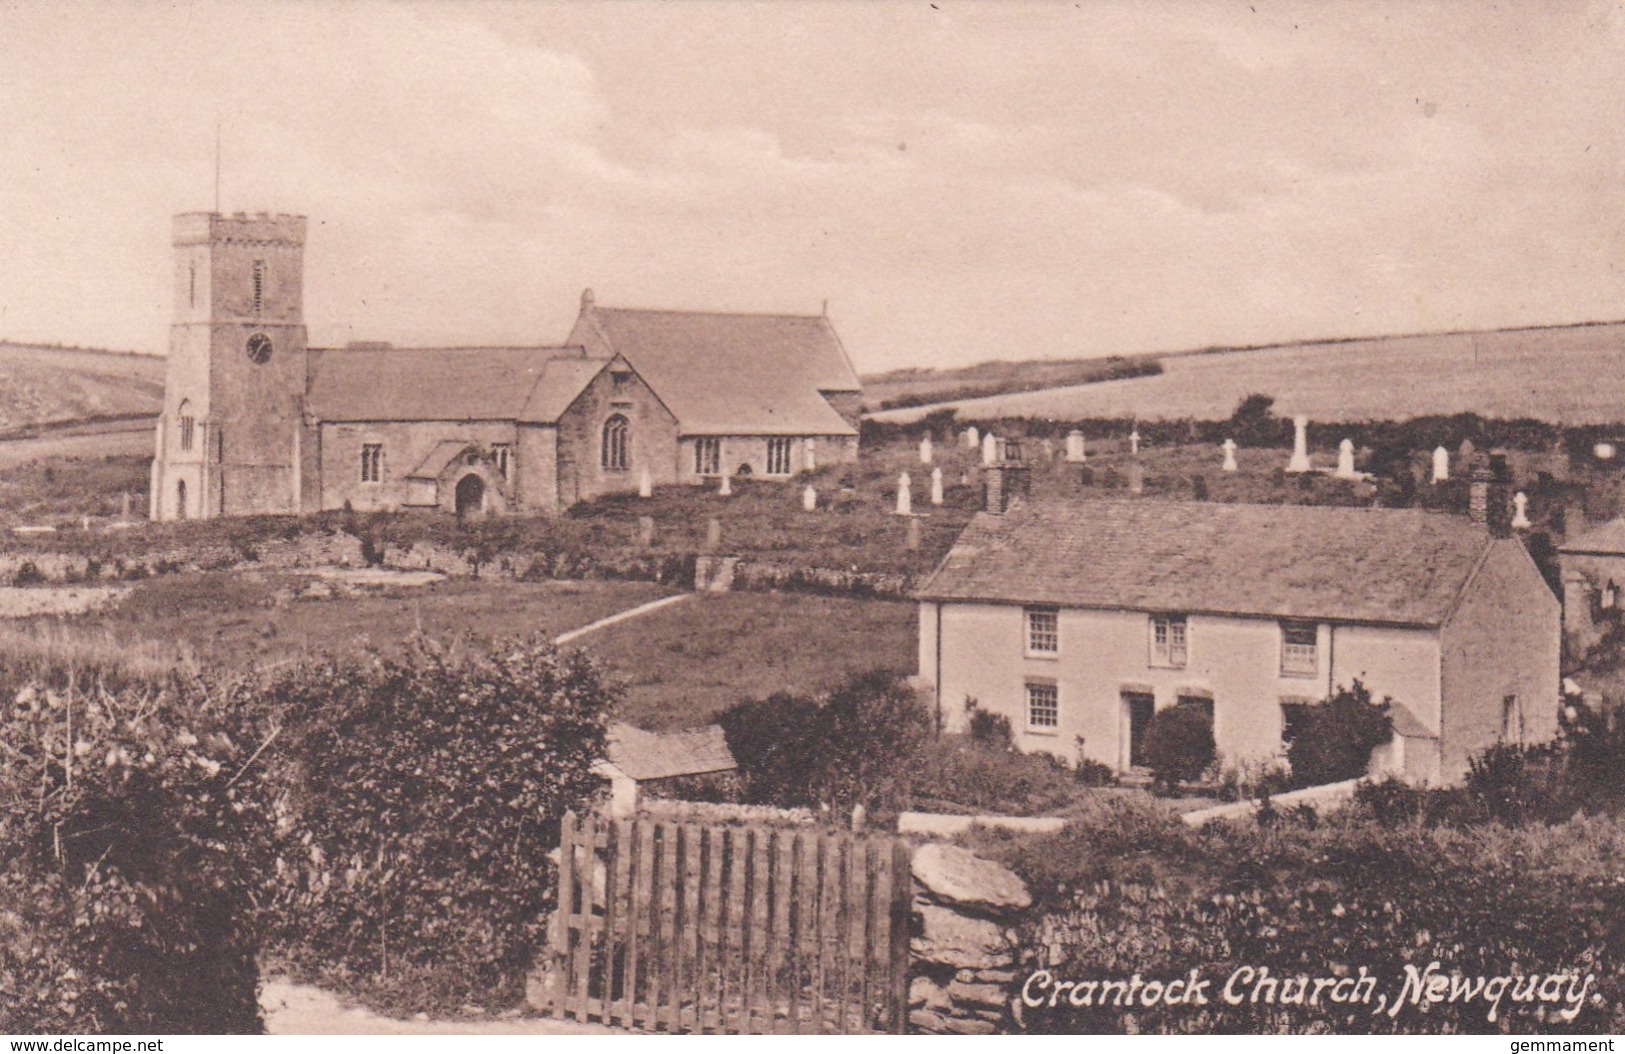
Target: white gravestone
<point>645,484</point>
<point>1441,465</point>
<point>1300,446</point>
<point>1074,447</point>
<point>810,454</point>
<point>1134,442</point>
<point>990,449</point>
<point>936,486</point>
<point>809,499</point>
<point>1229,455</point>
<point>905,500</point>
<point>1345,460</point>
<point>925,450</point>
<point>973,438</point>
<point>726,487</point>
<point>1520,511</point>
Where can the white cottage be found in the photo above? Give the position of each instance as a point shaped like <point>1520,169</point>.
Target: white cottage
<point>1078,620</point>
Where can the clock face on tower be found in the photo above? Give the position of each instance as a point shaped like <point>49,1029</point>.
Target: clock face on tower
<point>259,349</point>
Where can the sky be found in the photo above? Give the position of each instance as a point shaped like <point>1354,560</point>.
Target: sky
<point>959,181</point>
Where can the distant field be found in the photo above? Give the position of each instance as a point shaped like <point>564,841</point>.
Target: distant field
<point>914,387</point>
<point>1569,375</point>
<point>40,385</point>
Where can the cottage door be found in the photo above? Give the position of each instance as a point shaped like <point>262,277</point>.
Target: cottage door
<point>1138,708</point>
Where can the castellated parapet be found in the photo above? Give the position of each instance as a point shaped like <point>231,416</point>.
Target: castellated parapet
<point>263,228</point>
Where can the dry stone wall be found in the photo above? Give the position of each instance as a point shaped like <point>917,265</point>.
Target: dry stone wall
<point>963,957</point>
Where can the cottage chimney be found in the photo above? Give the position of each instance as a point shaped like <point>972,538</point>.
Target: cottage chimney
<point>1478,494</point>
<point>1498,498</point>
<point>1007,484</point>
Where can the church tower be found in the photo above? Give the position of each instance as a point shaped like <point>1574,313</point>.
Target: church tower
<point>229,439</point>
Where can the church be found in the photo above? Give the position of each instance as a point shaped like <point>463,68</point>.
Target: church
<point>256,422</point>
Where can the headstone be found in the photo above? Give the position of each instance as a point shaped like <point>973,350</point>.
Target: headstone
<point>646,532</point>
<point>905,500</point>
<point>1465,454</point>
<point>809,499</point>
<point>925,450</point>
<point>911,540</point>
<point>124,508</point>
<point>1230,455</point>
<point>713,533</point>
<point>990,449</point>
<point>645,484</point>
<point>1441,465</point>
<point>726,487</point>
<point>936,486</point>
<point>809,451</point>
<point>84,523</point>
<point>1074,447</point>
<point>1136,478</point>
<point>1300,446</point>
<point>973,438</point>
<point>1134,441</point>
<point>1520,511</point>
<point>1049,449</point>
<point>1345,460</point>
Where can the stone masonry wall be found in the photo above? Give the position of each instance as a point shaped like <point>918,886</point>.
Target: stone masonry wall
<point>963,976</point>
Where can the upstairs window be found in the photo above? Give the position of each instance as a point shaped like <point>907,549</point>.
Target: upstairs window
<point>1168,636</point>
<point>778,455</point>
<point>1043,706</point>
<point>620,380</point>
<point>372,462</point>
<point>503,453</point>
<point>708,457</point>
<point>1300,655</point>
<point>259,286</point>
<point>1043,631</point>
<point>614,457</point>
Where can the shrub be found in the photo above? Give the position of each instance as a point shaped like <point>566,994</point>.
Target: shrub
<point>135,820</point>
<point>1335,739</point>
<point>428,790</point>
<point>1516,783</point>
<point>988,728</point>
<point>1091,773</point>
<point>860,744</point>
<point>1179,744</point>
<point>965,773</point>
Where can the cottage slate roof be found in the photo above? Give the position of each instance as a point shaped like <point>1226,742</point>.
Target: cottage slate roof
<point>730,374</point>
<point>1395,566</point>
<point>644,755</point>
<point>446,384</point>
<point>1607,539</point>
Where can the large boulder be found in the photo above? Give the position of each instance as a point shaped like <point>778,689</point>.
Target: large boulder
<point>958,876</point>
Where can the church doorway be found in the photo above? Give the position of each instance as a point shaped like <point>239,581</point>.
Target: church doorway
<point>470,495</point>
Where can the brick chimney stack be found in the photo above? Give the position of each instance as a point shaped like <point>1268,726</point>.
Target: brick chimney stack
<point>1006,485</point>
<point>1498,500</point>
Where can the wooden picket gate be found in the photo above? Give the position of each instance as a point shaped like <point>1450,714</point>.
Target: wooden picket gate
<point>751,929</point>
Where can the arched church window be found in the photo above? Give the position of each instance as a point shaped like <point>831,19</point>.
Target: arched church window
<point>616,431</point>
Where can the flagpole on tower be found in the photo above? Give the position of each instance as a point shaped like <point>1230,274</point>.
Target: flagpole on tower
<point>217,166</point>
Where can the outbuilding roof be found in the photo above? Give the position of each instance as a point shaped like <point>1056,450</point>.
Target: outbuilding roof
<point>1606,539</point>
<point>447,384</point>
<point>644,755</point>
<point>729,374</point>
<point>1395,566</point>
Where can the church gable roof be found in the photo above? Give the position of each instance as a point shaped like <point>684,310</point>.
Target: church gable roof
<point>730,374</point>
<point>444,384</point>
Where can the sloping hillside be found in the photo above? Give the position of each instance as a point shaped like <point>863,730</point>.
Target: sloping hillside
<point>48,385</point>
<point>1567,374</point>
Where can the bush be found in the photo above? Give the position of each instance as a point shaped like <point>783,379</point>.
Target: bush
<point>1516,783</point>
<point>1335,739</point>
<point>1179,744</point>
<point>988,728</point>
<point>860,744</point>
<point>964,773</point>
<point>135,821</point>
<point>428,791</point>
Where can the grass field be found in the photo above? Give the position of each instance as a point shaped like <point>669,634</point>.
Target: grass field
<point>1568,375</point>
<point>39,385</point>
<point>681,664</point>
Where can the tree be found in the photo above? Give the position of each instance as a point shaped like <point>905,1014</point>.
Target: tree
<point>1335,739</point>
<point>860,744</point>
<point>1254,423</point>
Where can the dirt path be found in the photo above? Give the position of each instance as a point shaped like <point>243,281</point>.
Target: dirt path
<point>297,1009</point>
